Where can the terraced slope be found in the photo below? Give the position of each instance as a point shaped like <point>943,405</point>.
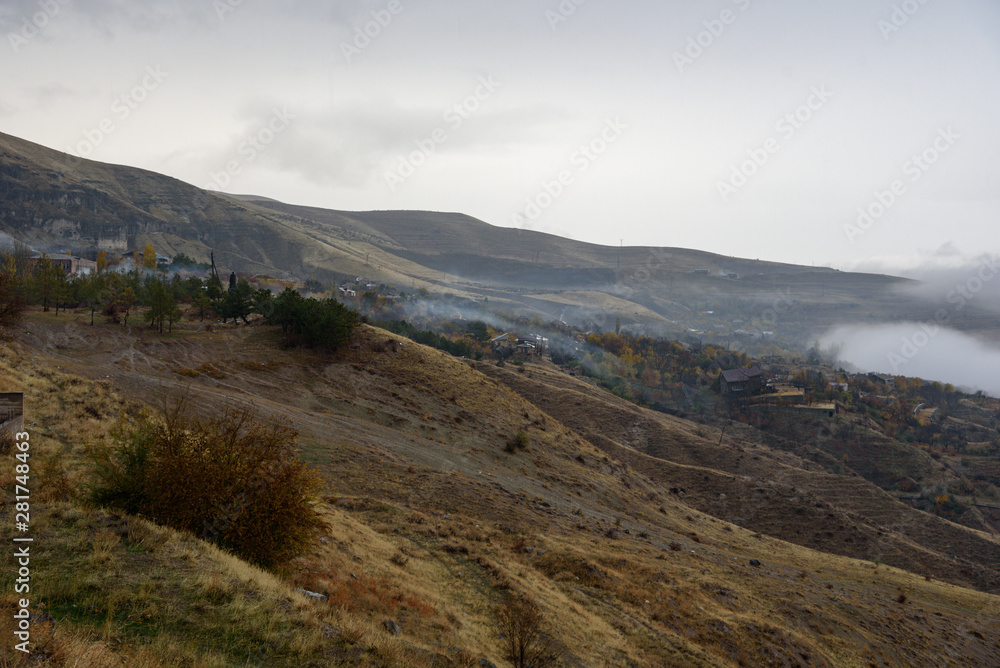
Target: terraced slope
<point>774,492</point>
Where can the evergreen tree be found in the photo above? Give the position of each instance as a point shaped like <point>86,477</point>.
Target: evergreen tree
<point>13,295</point>
<point>162,305</point>
<point>47,280</point>
<point>237,303</point>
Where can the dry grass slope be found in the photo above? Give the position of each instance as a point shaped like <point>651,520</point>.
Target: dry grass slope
<point>431,520</point>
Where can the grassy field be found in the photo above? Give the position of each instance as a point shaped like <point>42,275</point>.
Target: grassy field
<point>432,519</point>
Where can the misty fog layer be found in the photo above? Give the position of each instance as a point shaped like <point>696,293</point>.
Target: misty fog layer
<point>919,350</point>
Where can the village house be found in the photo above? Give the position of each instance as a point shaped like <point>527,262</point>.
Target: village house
<point>883,379</point>
<point>741,382</point>
<point>70,264</point>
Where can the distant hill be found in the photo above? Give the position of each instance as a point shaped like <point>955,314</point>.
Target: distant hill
<point>55,201</point>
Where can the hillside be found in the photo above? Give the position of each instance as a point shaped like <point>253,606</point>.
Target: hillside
<point>624,525</point>
<point>748,479</point>
<point>58,202</point>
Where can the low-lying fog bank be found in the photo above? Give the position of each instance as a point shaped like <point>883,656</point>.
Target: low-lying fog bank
<point>922,350</point>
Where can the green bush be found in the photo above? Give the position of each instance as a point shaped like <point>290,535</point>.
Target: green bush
<point>518,441</point>
<point>230,479</point>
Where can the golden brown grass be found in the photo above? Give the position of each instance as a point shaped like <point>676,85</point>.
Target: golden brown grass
<point>422,531</point>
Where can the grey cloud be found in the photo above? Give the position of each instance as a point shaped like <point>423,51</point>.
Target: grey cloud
<point>354,143</point>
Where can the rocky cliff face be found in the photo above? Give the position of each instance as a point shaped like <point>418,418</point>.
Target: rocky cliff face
<point>42,204</point>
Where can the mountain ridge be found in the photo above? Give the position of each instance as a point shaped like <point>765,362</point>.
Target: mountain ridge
<point>56,202</point>
<point>128,184</point>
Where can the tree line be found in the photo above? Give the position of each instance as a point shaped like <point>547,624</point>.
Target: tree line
<point>119,296</point>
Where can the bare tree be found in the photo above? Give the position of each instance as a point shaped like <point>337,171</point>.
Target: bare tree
<point>522,640</point>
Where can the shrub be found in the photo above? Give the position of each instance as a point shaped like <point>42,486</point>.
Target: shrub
<point>518,441</point>
<point>230,479</point>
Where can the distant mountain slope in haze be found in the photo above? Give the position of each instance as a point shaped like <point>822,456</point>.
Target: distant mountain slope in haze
<point>55,195</point>
<point>451,235</point>
<point>58,202</point>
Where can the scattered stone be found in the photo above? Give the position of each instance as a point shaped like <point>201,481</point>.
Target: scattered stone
<point>392,627</point>
<point>312,594</point>
<point>755,562</point>
<point>486,663</point>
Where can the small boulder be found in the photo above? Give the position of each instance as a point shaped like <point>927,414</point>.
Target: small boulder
<point>755,562</point>
<point>312,594</point>
<point>392,627</point>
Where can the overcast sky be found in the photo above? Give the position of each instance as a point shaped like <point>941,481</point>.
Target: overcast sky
<point>743,127</point>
